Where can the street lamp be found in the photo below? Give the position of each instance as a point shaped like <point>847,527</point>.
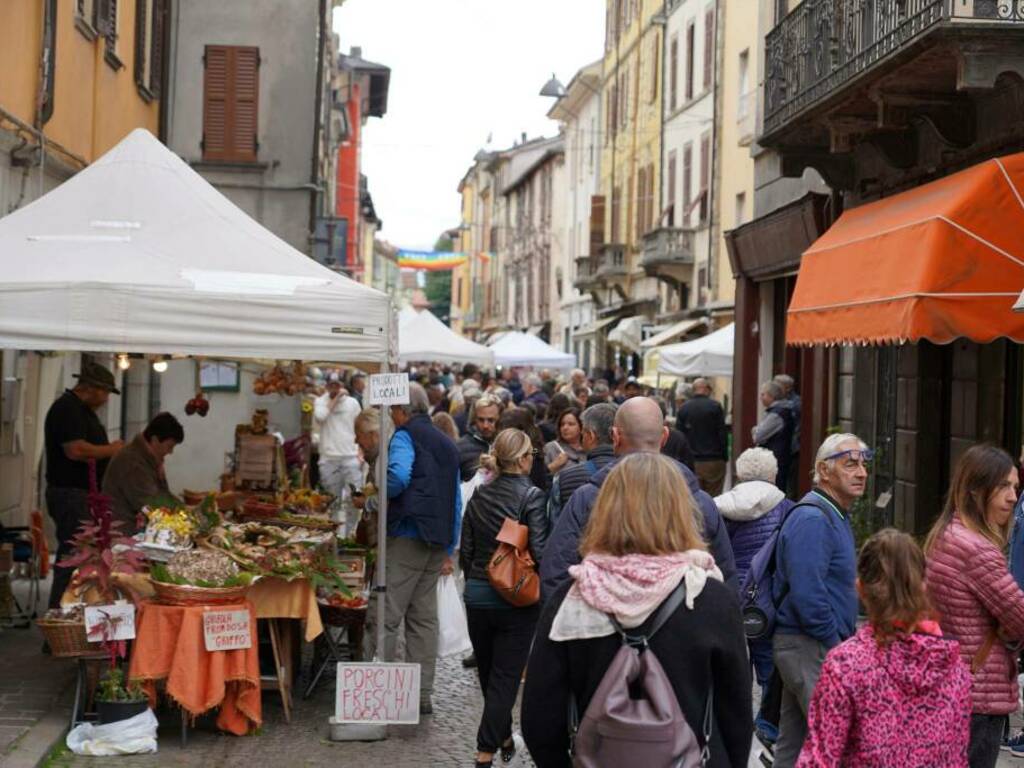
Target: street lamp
<point>553,88</point>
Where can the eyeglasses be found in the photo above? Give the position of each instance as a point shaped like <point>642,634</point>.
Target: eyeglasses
<point>858,456</point>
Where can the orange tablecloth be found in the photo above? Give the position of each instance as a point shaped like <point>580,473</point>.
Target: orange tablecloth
<point>169,646</point>
<point>279,599</point>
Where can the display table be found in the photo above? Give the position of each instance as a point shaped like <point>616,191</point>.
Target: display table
<point>279,599</point>
<point>169,646</point>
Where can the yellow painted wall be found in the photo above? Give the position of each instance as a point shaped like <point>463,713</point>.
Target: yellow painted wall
<point>462,291</point>
<point>638,144</point>
<point>94,105</point>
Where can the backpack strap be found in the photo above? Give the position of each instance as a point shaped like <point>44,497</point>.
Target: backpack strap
<point>664,612</point>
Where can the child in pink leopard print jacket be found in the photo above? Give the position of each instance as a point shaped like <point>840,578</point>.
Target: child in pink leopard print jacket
<point>896,680</point>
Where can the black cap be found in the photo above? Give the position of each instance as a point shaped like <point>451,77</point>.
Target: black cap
<point>95,375</point>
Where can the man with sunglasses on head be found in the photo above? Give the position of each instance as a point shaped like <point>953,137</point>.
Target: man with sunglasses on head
<point>814,584</point>
<point>483,428</point>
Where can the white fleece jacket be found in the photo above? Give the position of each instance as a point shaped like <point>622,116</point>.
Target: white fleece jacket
<point>749,500</point>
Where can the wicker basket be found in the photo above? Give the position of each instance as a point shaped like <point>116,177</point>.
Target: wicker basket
<point>67,638</point>
<point>181,594</point>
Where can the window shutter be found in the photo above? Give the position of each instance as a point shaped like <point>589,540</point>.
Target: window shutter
<point>654,70</point>
<point>596,223</point>
<point>671,189</point>
<point>156,46</point>
<point>673,75</point>
<point>709,46</point>
<point>641,187</point>
<point>690,42</point>
<point>103,13</point>
<point>687,182</point>
<point>247,66</point>
<point>705,167</point>
<point>215,103</point>
<point>141,29</point>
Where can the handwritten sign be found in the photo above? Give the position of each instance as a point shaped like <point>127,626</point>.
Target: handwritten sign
<point>110,622</point>
<point>378,693</point>
<point>227,630</point>
<point>389,388</point>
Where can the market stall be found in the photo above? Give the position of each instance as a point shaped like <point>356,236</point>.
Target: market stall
<point>424,337</point>
<point>139,255</point>
<point>709,355</point>
<point>523,349</point>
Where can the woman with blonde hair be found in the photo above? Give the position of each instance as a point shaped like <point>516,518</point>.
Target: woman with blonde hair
<point>500,632</point>
<point>979,603</point>
<point>637,548</point>
<point>894,680</point>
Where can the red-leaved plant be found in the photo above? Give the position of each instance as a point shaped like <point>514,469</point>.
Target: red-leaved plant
<point>93,554</point>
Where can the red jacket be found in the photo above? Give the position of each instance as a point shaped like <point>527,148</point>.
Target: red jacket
<point>973,591</point>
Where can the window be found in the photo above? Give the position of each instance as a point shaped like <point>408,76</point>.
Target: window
<point>687,182</point>
<point>709,46</point>
<point>85,18</point>
<point>616,206</point>
<point>230,101</point>
<point>705,167</point>
<point>105,12</point>
<point>743,108</point>
<point>673,73</point>
<point>690,38</point>
<point>654,70</point>
<point>624,100</point>
<point>149,38</point>
<point>670,196</point>
<point>741,208</point>
<point>641,185</point>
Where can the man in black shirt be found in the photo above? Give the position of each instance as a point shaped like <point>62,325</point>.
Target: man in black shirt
<point>74,437</point>
<point>702,420</point>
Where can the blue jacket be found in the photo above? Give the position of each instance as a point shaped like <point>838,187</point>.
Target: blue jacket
<point>424,492</point>
<point>1017,543</point>
<point>752,510</point>
<point>817,568</point>
<point>562,548</point>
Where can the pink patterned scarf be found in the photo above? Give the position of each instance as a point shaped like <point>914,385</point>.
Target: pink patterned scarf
<point>633,586</point>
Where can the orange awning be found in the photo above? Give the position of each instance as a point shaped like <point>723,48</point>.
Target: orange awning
<point>942,261</point>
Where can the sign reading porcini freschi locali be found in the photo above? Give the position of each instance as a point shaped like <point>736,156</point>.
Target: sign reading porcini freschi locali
<point>227,630</point>
<point>378,693</point>
<point>389,388</point>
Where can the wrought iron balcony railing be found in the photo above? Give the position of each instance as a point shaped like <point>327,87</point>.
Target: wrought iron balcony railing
<point>822,45</point>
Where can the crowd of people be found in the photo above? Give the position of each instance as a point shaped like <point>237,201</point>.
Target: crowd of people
<point>644,580</point>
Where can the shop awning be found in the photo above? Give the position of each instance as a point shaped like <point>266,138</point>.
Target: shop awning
<point>628,333</point>
<point>939,262</point>
<point>681,328</point>
<point>592,328</point>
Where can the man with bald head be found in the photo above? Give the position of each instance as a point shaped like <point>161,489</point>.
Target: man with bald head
<point>638,428</point>
<point>702,420</point>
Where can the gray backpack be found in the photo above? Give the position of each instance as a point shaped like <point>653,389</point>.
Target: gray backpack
<point>634,717</point>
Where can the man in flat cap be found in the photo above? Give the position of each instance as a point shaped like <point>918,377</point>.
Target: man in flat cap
<point>75,436</point>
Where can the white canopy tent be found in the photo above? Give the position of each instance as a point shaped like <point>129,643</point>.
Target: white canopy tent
<point>406,314</point>
<point>522,349</point>
<point>138,253</point>
<point>424,337</point>
<point>709,355</point>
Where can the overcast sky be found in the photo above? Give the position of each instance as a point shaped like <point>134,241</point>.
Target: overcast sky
<point>460,70</point>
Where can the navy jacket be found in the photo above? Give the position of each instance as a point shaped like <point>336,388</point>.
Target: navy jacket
<point>563,544</point>
<point>428,504</point>
<point>752,510</point>
<point>817,563</point>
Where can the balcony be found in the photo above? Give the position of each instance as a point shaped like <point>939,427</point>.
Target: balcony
<point>838,71</point>
<point>668,253</point>
<point>586,273</point>
<point>612,263</point>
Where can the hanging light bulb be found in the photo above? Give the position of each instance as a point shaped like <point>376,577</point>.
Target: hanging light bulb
<point>160,366</point>
<point>123,362</point>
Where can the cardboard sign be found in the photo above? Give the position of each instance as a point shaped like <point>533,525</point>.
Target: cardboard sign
<point>378,693</point>
<point>389,388</point>
<point>110,622</point>
<point>227,630</point>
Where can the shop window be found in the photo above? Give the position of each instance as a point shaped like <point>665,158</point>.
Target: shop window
<point>230,103</point>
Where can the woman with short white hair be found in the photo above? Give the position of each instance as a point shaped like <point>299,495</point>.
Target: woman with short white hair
<point>753,509</point>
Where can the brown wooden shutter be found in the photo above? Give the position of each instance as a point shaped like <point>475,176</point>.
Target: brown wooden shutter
<point>654,70</point>
<point>690,42</point>
<point>705,168</point>
<point>215,103</point>
<point>709,46</point>
<point>651,197</point>
<point>156,47</point>
<point>596,223</point>
<point>230,103</point>
<point>673,75</point>
<point>671,189</point>
<point>247,82</point>
<point>641,187</point>
<point>141,30</point>
<point>687,182</point>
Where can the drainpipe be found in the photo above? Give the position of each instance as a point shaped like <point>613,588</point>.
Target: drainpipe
<point>712,240</point>
<point>314,174</point>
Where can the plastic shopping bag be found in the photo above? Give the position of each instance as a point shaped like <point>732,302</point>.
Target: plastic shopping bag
<point>453,632</point>
<point>134,736</point>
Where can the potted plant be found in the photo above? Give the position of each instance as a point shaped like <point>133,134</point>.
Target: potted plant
<point>116,700</point>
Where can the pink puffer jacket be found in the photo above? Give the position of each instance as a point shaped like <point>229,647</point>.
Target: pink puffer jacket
<point>973,591</point>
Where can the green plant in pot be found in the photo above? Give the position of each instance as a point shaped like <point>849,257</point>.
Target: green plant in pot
<point>117,700</point>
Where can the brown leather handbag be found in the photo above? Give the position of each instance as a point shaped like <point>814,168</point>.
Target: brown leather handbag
<point>512,571</point>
